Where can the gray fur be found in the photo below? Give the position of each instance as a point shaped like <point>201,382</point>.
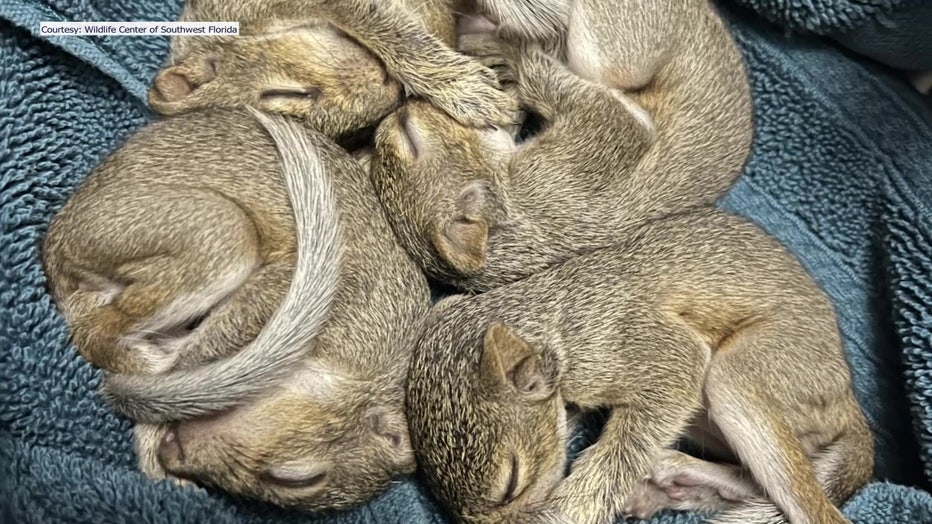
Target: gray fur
<point>688,316</point>
<point>283,342</point>
<point>357,57</point>
<point>479,216</point>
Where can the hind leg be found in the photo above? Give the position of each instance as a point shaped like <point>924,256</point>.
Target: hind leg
<point>639,427</point>
<point>581,114</point>
<point>238,320</point>
<point>144,263</point>
<point>621,46</point>
<point>157,341</point>
<point>124,325</point>
<point>746,388</point>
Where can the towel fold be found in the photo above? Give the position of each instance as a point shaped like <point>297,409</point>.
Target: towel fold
<point>825,16</point>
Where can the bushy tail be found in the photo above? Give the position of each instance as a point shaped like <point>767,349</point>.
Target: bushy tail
<point>529,20</point>
<point>756,511</point>
<point>284,341</point>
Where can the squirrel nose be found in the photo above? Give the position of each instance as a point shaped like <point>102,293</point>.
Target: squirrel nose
<point>170,87</point>
<point>170,451</point>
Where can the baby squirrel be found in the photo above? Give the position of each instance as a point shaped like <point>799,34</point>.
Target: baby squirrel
<point>652,115</point>
<point>159,264</point>
<point>341,65</point>
<point>698,323</point>
<point>294,324</point>
<point>331,432</point>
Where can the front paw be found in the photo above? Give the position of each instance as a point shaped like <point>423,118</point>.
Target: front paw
<point>183,483</point>
<point>471,94</point>
<point>494,53</point>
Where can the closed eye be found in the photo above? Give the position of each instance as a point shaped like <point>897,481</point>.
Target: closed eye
<point>511,492</point>
<point>294,482</point>
<point>307,93</point>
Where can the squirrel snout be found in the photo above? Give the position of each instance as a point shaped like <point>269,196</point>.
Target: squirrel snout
<point>170,450</point>
<point>170,87</point>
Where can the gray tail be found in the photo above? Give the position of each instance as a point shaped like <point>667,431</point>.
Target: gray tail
<point>534,20</point>
<point>756,511</point>
<point>284,341</point>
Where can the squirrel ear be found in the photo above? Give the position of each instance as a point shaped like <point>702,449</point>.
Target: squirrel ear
<point>462,244</point>
<point>171,84</point>
<point>462,241</point>
<point>509,361</point>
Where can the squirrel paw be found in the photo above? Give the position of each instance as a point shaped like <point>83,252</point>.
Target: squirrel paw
<point>494,53</point>
<point>147,438</point>
<point>645,500</point>
<point>472,95</point>
<point>648,498</point>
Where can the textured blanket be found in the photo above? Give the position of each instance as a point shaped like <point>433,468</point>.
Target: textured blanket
<point>826,16</point>
<point>895,32</point>
<point>841,173</point>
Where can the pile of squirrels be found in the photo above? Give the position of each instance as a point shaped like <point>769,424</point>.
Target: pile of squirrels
<point>252,271</point>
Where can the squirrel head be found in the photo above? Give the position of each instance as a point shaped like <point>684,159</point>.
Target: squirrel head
<point>312,72</point>
<point>320,441</point>
<point>487,420</point>
<point>440,182</point>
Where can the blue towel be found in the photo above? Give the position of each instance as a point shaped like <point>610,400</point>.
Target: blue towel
<point>895,32</point>
<point>841,173</point>
<point>901,39</point>
<point>825,16</point>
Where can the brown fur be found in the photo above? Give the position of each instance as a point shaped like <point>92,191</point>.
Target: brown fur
<point>479,211</point>
<point>155,228</point>
<point>699,317</point>
<point>169,221</point>
<point>338,64</point>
